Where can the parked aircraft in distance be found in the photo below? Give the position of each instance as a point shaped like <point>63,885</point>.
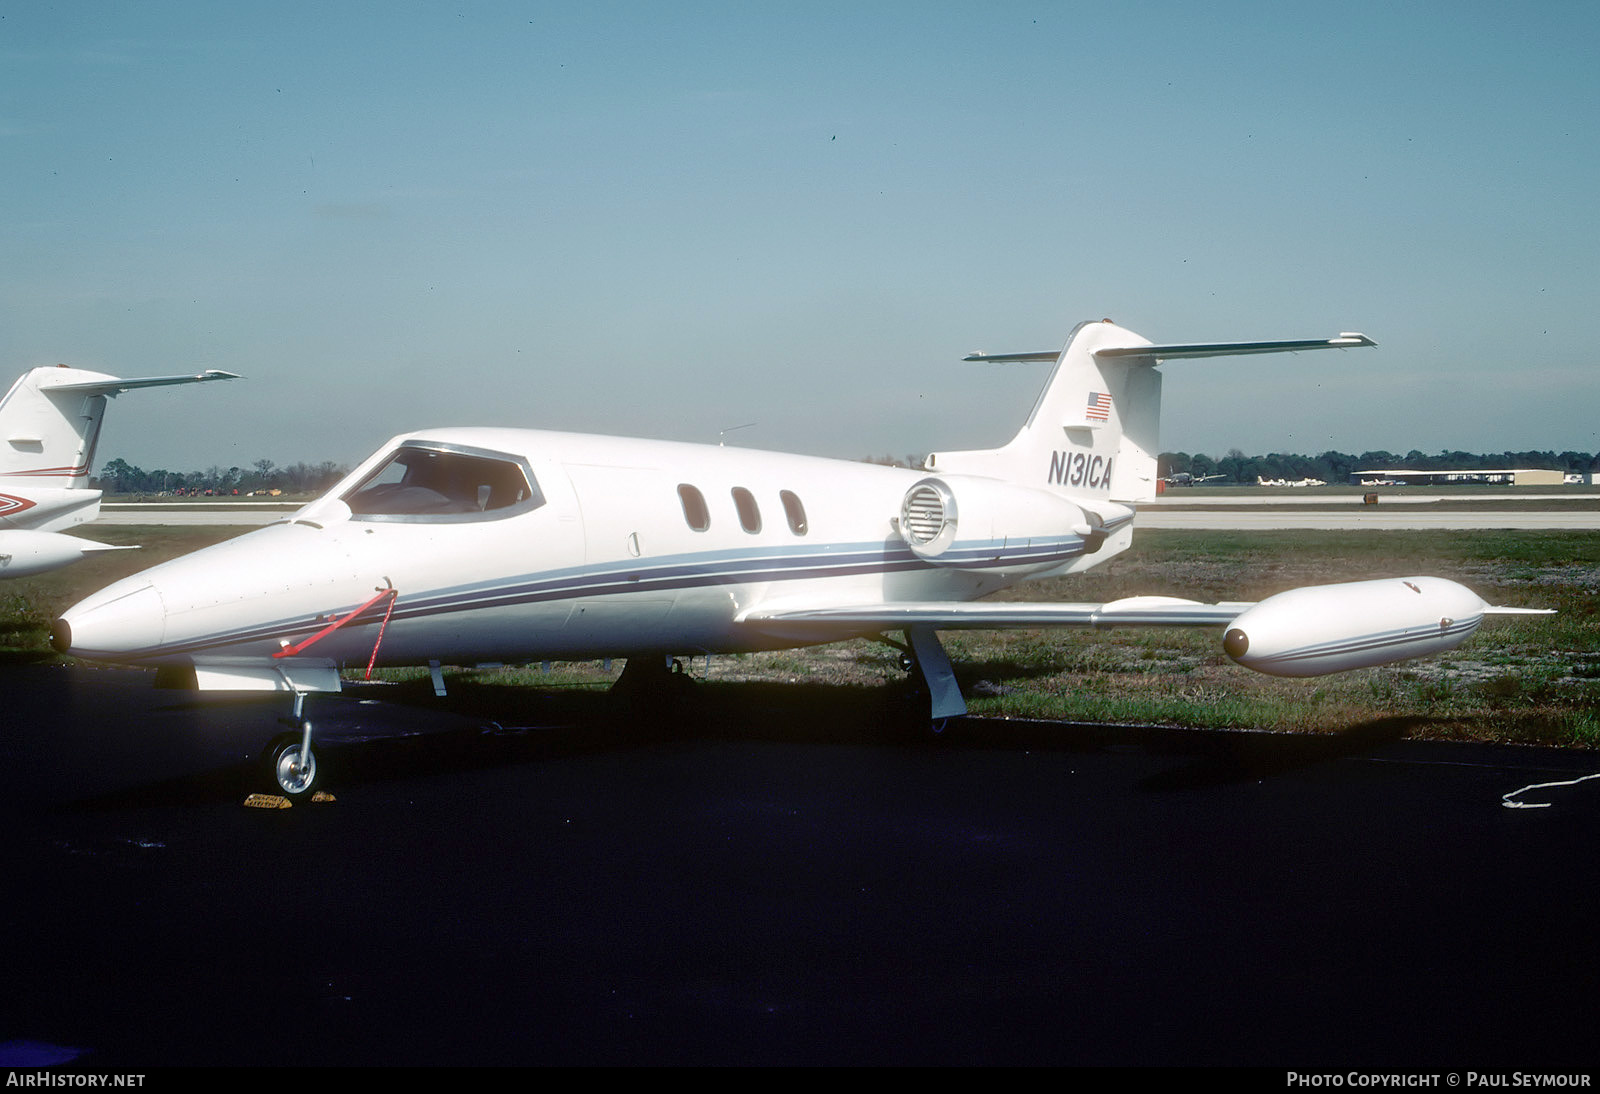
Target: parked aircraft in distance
<point>1184,478</point>
<point>460,546</point>
<point>1289,482</point>
<point>50,421</point>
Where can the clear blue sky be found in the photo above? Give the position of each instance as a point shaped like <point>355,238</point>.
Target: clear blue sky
<point>673,219</point>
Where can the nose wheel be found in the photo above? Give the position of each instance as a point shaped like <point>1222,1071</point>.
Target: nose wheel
<point>290,764</point>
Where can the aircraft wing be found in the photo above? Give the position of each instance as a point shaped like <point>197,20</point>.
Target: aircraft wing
<point>1143,611</point>
<point>1308,631</point>
<point>114,386</point>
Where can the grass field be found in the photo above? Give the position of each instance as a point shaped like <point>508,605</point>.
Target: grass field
<point>1529,679</point>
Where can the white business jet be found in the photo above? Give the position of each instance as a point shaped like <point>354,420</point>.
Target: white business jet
<point>459,546</point>
<point>49,424</point>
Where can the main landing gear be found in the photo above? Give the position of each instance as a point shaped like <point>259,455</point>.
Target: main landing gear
<point>924,655</point>
<point>653,687</point>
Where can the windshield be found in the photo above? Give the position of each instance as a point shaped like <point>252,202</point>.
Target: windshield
<point>445,482</point>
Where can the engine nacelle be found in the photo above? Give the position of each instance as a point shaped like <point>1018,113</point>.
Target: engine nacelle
<point>26,552</point>
<point>1333,628</point>
<point>968,521</point>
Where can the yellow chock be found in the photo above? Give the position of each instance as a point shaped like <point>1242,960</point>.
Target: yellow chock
<point>267,801</point>
<point>322,796</point>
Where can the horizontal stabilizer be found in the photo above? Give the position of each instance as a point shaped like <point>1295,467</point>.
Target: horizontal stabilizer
<point>113,386</point>
<point>1346,340</point>
<point>1011,358</point>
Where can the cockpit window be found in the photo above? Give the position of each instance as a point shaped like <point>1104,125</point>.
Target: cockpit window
<point>437,482</point>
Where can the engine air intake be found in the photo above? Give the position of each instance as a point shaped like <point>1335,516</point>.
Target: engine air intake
<point>928,518</point>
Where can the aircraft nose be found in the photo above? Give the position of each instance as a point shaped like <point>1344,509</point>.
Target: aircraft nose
<point>114,629</point>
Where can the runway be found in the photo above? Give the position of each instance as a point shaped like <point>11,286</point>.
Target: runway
<point>1375,518</point>
<point>1398,512</point>
<point>781,878</point>
<point>1326,501</point>
<point>197,513</point>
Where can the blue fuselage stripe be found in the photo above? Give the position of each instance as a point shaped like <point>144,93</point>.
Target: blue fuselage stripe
<point>668,575</point>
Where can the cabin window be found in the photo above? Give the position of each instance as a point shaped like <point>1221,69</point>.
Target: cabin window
<point>694,507</point>
<point>440,482</point>
<point>749,512</point>
<point>794,510</point>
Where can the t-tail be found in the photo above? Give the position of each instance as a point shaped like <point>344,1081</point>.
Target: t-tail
<point>50,421</point>
<point>1094,431</point>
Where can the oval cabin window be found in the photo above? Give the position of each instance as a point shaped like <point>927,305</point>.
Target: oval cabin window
<point>694,507</point>
<point>749,512</point>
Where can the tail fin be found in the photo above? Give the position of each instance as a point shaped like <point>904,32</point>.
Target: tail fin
<point>50,421</point>
<point>1095,429</point>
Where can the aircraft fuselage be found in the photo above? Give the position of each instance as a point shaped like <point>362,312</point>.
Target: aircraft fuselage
<point>566,546</point>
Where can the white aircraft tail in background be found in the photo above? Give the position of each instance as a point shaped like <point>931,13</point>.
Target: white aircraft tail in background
<point>49,425</point>
<point>470,545</point>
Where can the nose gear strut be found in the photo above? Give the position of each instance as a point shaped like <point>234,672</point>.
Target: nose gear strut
<point>290,762</point>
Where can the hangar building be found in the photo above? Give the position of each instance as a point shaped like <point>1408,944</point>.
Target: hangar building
<point>1524,476</point>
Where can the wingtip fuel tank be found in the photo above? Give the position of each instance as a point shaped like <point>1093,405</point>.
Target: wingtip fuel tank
<point>1333,628</point>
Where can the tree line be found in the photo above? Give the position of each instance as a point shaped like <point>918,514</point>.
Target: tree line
<point>1336,467</point>
<point>262,477</point>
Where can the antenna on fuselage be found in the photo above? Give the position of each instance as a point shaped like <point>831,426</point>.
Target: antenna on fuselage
<point>724,432</point>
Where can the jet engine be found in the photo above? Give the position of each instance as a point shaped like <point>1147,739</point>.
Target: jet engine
<point>996,523</point>
<point>928,518</point>
<point>1332,628</point>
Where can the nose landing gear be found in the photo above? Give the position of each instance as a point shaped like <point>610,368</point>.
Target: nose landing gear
<point>290,765</point>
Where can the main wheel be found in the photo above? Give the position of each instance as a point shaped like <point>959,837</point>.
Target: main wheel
<point>292,777</point>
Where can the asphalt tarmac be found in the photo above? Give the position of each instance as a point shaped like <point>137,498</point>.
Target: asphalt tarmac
<point>782,877</point>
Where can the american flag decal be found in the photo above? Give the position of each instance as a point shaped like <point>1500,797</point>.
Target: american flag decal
<point>1099,408</point>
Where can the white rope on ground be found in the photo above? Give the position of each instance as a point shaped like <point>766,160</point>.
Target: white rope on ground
<point>1505,799</point>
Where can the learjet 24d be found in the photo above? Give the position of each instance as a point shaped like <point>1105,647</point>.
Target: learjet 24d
<point>470,545</point>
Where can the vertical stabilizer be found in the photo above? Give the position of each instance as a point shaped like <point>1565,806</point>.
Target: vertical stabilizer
<point>1096,428</point>
<point>48,430</point>
<point>50,422</point>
